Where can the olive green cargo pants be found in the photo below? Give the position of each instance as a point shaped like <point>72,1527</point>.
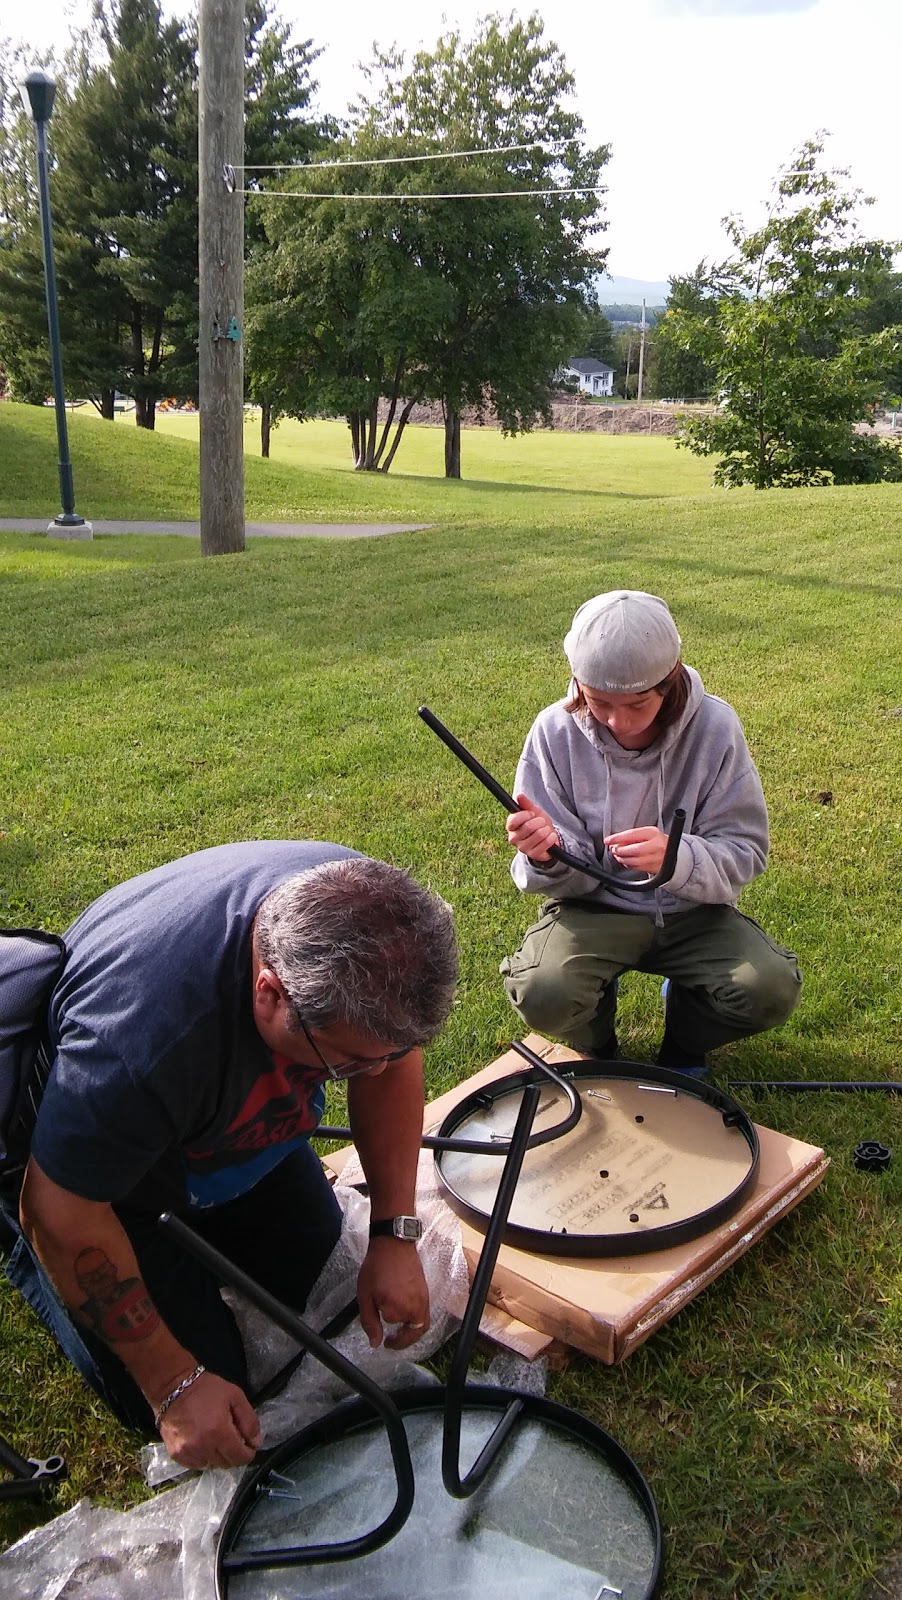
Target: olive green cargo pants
<point>728,978</point>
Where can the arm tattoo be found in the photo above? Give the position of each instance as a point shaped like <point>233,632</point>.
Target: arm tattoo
<point>119,1309</point>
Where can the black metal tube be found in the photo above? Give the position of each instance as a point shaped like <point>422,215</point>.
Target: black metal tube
<point>457,1486</point>
<point>363,1385</point>
<point>11,1459</point>
<point>67,488</point>
<point>557,853</point>
<point>840,1087</point>
<point>277,1382</point>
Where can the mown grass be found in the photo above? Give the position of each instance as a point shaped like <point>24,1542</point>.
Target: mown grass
<point>155,703</point>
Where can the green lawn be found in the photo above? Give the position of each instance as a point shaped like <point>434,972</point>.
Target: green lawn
<point>155,703</point>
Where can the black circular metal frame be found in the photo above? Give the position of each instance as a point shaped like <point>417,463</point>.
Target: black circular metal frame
<point>662,1237</point>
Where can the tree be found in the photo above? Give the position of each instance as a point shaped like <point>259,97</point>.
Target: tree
<point>676,371</point>
<point>24,350</point>
<point>598,338</point>
<point>124,200</point>
<point>469,303</point>
<point>333,308</point>
<point>279,88</point>
<point>795,369</point>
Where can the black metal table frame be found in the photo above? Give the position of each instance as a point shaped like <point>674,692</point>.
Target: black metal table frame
<point>375,1401</point>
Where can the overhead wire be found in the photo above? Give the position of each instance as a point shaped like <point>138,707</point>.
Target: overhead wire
<point>230,173</point>
<point>467,194</point>
<point>387,161</point>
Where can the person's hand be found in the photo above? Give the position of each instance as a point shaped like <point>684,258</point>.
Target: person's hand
<point>391,1288</point>
<point>212,1424</point>
<point>531,830</point>
<point>641,849</point>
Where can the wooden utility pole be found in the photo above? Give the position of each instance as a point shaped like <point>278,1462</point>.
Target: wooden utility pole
<point>641,357</point>
<point>221,275</point>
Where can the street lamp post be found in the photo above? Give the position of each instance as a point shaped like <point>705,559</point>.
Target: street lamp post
<point>38,91</point>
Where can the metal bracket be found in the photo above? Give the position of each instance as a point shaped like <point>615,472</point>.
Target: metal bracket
<point>232,332</point>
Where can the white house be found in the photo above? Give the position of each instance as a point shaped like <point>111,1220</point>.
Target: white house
<point>594,377</point>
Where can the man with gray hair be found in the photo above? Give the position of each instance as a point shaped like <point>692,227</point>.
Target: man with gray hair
<point>201,1011</point>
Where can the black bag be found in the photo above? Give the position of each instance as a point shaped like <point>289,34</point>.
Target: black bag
<point>30,964</point>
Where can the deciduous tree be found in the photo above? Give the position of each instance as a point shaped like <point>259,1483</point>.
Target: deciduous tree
<point>796,372</point>
<point>677,372</point>
<point>468,302</point>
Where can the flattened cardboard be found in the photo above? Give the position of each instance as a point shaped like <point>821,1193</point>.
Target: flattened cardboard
<point>608,1307</point>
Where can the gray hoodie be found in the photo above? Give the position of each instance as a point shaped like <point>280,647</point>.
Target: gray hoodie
<point>591,787</point>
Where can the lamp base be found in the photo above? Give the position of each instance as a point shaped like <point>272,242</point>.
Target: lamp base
<point>68,526</point>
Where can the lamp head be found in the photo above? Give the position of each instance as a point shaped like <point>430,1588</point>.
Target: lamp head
<point>38,91</point>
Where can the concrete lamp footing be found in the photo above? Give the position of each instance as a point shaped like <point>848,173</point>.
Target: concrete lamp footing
<point>70,530</point>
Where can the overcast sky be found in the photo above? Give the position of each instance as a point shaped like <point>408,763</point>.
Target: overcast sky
<point>701,100</point>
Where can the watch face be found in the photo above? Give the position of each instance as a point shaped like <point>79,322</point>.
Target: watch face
<point>407,1227</point>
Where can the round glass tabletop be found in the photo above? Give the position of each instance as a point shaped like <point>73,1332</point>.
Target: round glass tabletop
<point>564,1511</point>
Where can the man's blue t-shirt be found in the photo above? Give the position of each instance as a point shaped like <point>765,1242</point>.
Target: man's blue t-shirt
<point>162,1092</point>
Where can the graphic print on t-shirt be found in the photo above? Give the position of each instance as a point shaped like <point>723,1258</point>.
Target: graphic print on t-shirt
<point>281,1110</point>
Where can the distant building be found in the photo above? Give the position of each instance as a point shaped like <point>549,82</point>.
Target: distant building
<point>593,377</point>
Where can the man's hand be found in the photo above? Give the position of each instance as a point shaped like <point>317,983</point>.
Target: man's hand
<point>639,848</point>
<point>212,1424</point>
<point>391,1288</point>
<point>531,830</point>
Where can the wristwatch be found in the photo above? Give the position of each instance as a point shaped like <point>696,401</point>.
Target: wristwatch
<point>410,1228</point>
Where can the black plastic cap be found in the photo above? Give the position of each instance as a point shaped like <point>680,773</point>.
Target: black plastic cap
<point>871,1156</point>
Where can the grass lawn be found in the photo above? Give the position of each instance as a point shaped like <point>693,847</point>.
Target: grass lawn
<point>155,703</point>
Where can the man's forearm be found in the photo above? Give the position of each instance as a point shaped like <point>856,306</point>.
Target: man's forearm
<point>386,1114</point>
<point>88,1255</point>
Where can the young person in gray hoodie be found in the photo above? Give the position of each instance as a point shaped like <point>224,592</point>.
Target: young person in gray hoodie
<point>601,775</point>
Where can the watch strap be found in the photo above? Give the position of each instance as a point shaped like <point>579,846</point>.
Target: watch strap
<point>409,1228</point>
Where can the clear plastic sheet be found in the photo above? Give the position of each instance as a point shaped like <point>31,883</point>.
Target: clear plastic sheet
<point>92,1553</point>
<point>163,1550</point>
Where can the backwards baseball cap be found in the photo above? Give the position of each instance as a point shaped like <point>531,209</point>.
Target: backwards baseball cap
<point>623,642</point>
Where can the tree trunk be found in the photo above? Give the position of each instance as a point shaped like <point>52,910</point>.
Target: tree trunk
<point>265,428</point>
<point>402,423</point>
<point>105,403</point>
<point>390,417</point>
<point>369,460</point>
<point>145,411</point>
<point>452,442</point>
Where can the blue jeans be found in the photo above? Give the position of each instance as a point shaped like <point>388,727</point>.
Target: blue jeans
<point>281,1233</point>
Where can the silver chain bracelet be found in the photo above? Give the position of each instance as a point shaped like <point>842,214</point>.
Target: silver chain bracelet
<point>179,1390</point>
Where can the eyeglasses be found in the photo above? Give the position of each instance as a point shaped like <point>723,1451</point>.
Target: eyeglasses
<point>357,1066</point>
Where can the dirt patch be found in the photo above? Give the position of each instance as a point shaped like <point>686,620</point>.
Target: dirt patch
<point>569,416</point>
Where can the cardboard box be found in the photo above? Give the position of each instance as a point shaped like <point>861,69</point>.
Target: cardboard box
<point>606,1307</point>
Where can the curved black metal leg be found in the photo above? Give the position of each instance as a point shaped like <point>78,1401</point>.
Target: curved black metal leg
<point>614,880</point>
<point>363,1385</point>
<point>499,1146</point>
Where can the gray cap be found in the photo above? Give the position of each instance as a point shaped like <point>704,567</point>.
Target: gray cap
<point>623,642</point>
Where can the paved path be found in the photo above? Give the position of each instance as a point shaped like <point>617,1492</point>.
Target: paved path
<point>254,530</point>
